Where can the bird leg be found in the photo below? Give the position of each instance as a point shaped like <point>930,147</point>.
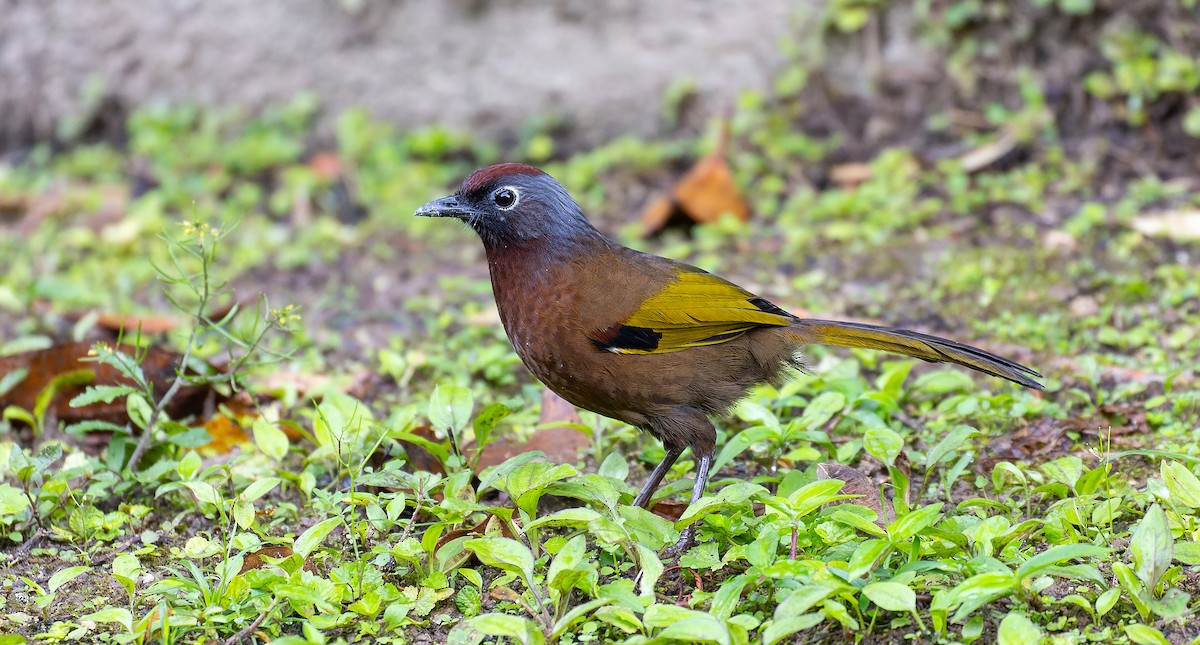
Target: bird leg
<point>656,477</point>
<point>703,463</point>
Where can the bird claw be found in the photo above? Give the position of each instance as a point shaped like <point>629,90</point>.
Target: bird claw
<point>687,540</point>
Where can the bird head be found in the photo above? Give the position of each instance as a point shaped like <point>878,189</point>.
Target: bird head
<point>513,203</point>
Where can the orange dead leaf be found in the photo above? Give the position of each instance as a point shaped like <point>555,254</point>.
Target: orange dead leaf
<point>701,196</point>
<point>226,434</point>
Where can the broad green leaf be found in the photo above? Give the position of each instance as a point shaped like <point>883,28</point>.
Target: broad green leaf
<point>1056,554</point>
<point>520,630</point>
<point>486,421</point>
<point>126,565</point>
<point>740,442</point>
<point>614,466</point>
<point>450,407</point>
<point>731,495</point>
<point>891,596</point>
<point>309,540</point>
<point>12,500</point>
<point>802,599</point>
<point>857,521</point>
<point>1004,471</point>
<point>243,514</point>
<point>883,444</point>
<point>1172,605</point>
<point>64,576</point>
<point>905,527</point>
<point>189,465</point>
<point>812,496</point>
<point>1107,600</point>
<point>973,593</point>
<point>822,408</point>
<point>780,628</point>
<point>1133,587</point>
<point>204,492</point>
<point>577,613</point>
<point>578,517</point>
<point>259,488</point>
<point>12,379</point>
<point>701,556</point>
<point>139,409</point>
<point>866,557</point>
<point>620,617</point>
<point>270,439</point>
<point>111,615</point>
<point>651,567</point>
<point>700,628</point>
<point>1188,552</point>
<point>951,443</point>
<point>504,553</point>
<point>565,570</point>
<point>1145,635</point>
<point>1016,629</point>
<point>1152,547</point>
<point>727,596</point>
<point>1184,486</point>
<point>490,476</point>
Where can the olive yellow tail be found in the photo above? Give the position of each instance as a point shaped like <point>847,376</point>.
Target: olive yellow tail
<point>911,343</point>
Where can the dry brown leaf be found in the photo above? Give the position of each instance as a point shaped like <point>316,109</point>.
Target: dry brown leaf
<point>669,509</point>
<point>418,457</point>
<point>859,484</point>
<point>705,193</point>
<point>45,365</point>
<point>255,560</point>
<point>560,443</point>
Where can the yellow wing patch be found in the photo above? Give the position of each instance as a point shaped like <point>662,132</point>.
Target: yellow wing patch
<point>695,310</point>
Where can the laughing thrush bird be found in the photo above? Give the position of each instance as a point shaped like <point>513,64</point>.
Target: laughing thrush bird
<point>658,344</point>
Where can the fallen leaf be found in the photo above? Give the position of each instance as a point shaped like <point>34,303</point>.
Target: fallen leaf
<point>46,365</point>
<point>418,457</point>
<point>278,552</point>
<point>560,443</point>
<point>859,484</point>
<point>148,325</point>
<point>1177,225</point>
<point>849,175</point>
<point>704,194</point>
<point>989,153</point>
<point>669,509</point>
<point>226,434</point>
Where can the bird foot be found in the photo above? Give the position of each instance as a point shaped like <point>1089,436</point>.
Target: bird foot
<point>687,540</point>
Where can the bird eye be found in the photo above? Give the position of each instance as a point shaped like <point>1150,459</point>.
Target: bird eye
<point>505,198</point>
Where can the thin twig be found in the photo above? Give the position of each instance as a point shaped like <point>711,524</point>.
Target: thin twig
<point>148,431</point>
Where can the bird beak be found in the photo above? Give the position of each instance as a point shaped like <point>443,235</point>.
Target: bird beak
<point>446,207</point>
